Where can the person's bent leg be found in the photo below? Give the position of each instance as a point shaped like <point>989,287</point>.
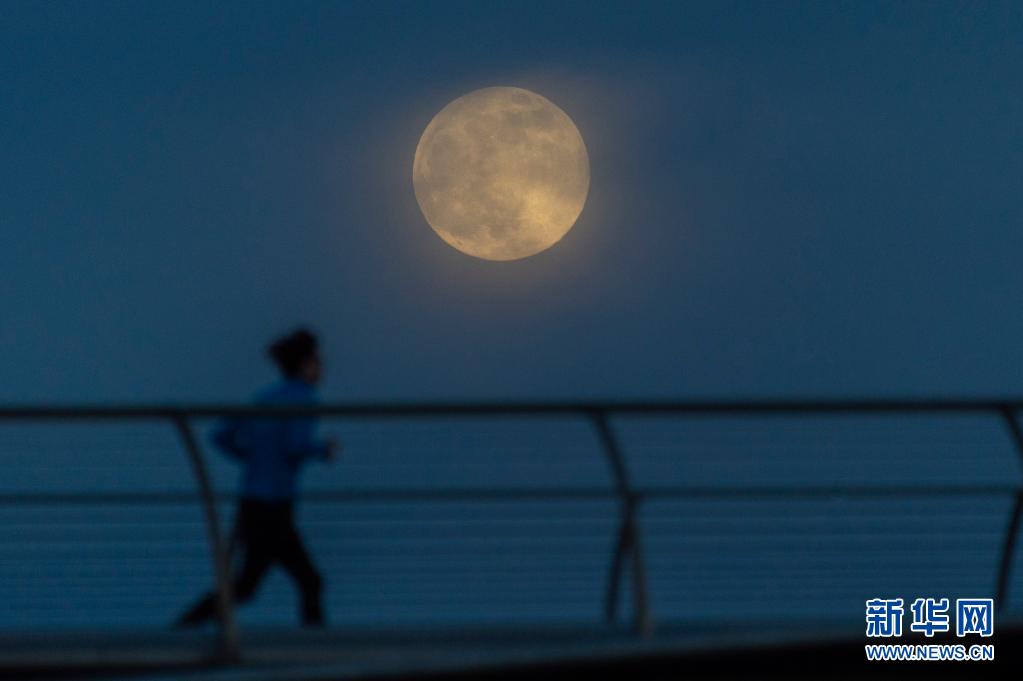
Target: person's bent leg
<point>253,569</point>
<point>200,613</point>
<point>295,559</point>
<point>257,562</point>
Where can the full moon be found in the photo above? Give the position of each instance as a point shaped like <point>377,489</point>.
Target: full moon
<point>501,173</point>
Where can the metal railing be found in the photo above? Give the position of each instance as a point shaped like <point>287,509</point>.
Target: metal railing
<point>627,550</point>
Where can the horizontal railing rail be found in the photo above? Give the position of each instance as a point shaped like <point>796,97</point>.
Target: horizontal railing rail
<point>511,408</point>
<point>627,549</point>
<point>483,495</point>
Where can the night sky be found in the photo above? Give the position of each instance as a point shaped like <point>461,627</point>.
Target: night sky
<point>786,199</point>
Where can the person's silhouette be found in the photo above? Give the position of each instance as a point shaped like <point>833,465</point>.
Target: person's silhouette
<point>272,452</point>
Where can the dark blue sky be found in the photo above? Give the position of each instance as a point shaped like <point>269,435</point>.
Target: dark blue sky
<point>786,199</point>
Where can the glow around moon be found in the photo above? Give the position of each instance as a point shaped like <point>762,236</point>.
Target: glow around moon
<point>501,173</point>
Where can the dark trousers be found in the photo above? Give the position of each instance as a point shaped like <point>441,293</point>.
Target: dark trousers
<point>267,534</point>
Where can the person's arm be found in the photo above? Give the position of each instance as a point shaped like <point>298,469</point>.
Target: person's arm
<point>303,443</point>
<point>225,437</point>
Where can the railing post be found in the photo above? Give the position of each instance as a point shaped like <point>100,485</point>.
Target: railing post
<point>230,647</point>
<point>1012,528</point>
<point>628,545</point>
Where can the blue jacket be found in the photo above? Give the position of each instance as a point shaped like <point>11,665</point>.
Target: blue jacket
<point>273,450</point>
